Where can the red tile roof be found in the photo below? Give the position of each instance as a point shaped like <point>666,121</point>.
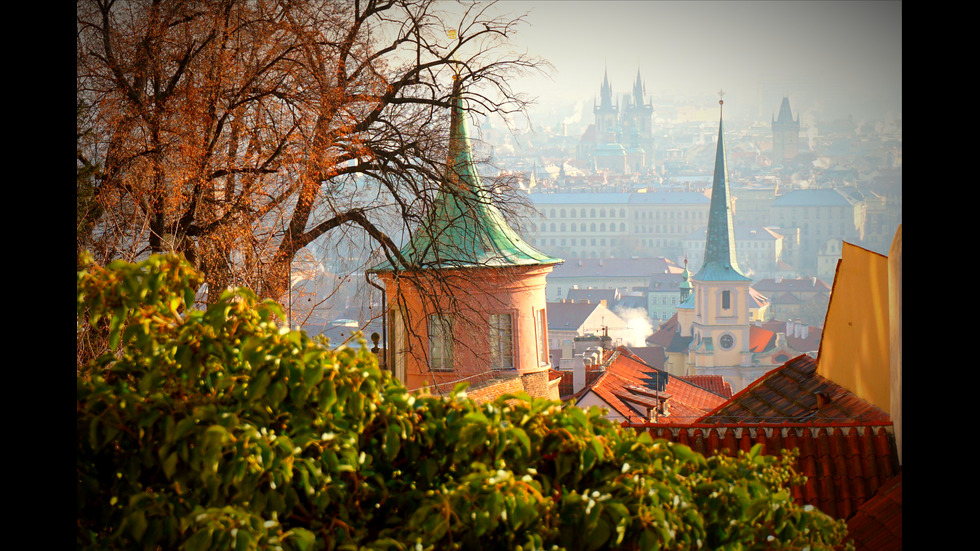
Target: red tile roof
<point>844,465</point>
<point>629,386</point>
<point>712,383</point>
<point>846,446</point>
<point>654,356</point>
<point>795,393</point>
<point>877,525</point>
<point>669,336</point>
<point>761,339</point>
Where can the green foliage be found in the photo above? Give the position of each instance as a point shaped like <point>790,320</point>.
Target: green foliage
<point>217,429</point>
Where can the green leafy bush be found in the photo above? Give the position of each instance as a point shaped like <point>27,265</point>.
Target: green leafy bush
<point>218,429</point>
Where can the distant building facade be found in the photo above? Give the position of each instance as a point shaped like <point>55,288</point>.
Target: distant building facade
<point>613,273</point>
<point>820,215</point>
<point>616,225</point>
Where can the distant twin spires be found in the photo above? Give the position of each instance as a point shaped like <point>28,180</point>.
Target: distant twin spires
<point>606,95</point>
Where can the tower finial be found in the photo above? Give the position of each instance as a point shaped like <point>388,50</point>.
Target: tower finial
<point>721,95</point>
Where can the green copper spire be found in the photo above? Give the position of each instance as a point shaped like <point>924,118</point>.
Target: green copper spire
<point>719,248</point>
<point>685,286</point>
<point>463,228</point>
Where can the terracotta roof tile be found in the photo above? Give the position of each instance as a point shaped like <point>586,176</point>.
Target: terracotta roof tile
<point>712,383</point>
<point>846,446</point>
<point>795,393</point>
<point>836,482</point>
<point>761,339</point>
<point>877,525</point>
<point>630,386</point>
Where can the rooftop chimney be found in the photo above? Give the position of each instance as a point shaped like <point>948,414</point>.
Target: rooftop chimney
<point>578,373</point>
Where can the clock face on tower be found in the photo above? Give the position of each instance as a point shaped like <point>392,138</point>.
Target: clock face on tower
<point>726,341</point>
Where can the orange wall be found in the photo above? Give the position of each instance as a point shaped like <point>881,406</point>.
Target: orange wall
<point>855,347</point>
<point>470,296</point>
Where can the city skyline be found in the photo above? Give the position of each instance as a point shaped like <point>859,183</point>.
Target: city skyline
<point>833,59</point>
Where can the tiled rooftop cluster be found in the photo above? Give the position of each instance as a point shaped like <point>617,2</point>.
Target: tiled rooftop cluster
<point>844,465</point>
<point>846,446</point>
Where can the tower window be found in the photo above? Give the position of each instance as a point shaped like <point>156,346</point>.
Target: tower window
<point>501,341</point>
<point>726,300</point>
<point>440,342</point>
<point>542,337</point>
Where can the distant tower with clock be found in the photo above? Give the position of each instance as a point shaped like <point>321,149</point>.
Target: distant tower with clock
<point>720,327</point>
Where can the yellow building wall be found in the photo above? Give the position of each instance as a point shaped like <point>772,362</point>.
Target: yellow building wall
<point>895,313</point>
<point>855,347</point>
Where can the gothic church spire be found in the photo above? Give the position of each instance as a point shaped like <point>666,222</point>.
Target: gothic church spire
<point>720,263</point>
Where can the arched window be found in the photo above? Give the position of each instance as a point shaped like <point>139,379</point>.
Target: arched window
<point>562,226</point>
<point>573,225</point>
<point>602,226</point>
<point>602,213</point>
<point>552,226</point>
<point>592,227</point>
<point>562,213</point>
<point>592,213</point>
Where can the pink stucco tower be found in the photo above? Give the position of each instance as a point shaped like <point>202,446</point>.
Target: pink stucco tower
<point>466,301</point>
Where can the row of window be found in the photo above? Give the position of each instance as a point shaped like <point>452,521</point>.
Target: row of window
<point>571,213</point>
<point>573,227</point>
<point>601,242</point>
<point>501,339</point>
<point>561,227</point>
<point>700,214</point>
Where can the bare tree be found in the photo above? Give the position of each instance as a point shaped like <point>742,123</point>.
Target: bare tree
<point>238,132</point>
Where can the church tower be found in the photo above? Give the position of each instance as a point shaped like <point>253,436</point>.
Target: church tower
<point>721,291</point>
<point>785,134</point>
<point>606,113</point>
<point>466,295</point>
<point>637,126</point>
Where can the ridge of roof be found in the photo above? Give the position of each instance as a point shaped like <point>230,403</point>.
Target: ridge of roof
<point>796,393</point>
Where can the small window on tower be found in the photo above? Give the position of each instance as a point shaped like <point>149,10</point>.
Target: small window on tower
<point>726,300</point>
<point>440,342</point>
<point>542,330</point>
<point>501,341</point>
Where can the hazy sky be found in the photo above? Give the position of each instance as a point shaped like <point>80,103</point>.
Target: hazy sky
<point>831,58</point>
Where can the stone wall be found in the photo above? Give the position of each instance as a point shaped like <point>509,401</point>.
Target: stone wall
<point>492,389</point>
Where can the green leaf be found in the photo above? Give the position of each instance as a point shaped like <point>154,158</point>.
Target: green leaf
<point>170,465</point>
<point>199,541</point>
<point>522,437</point>
<point>303,539</point>
<point>392,441</point>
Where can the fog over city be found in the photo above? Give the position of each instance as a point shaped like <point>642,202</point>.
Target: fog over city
<point>833,59</point>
